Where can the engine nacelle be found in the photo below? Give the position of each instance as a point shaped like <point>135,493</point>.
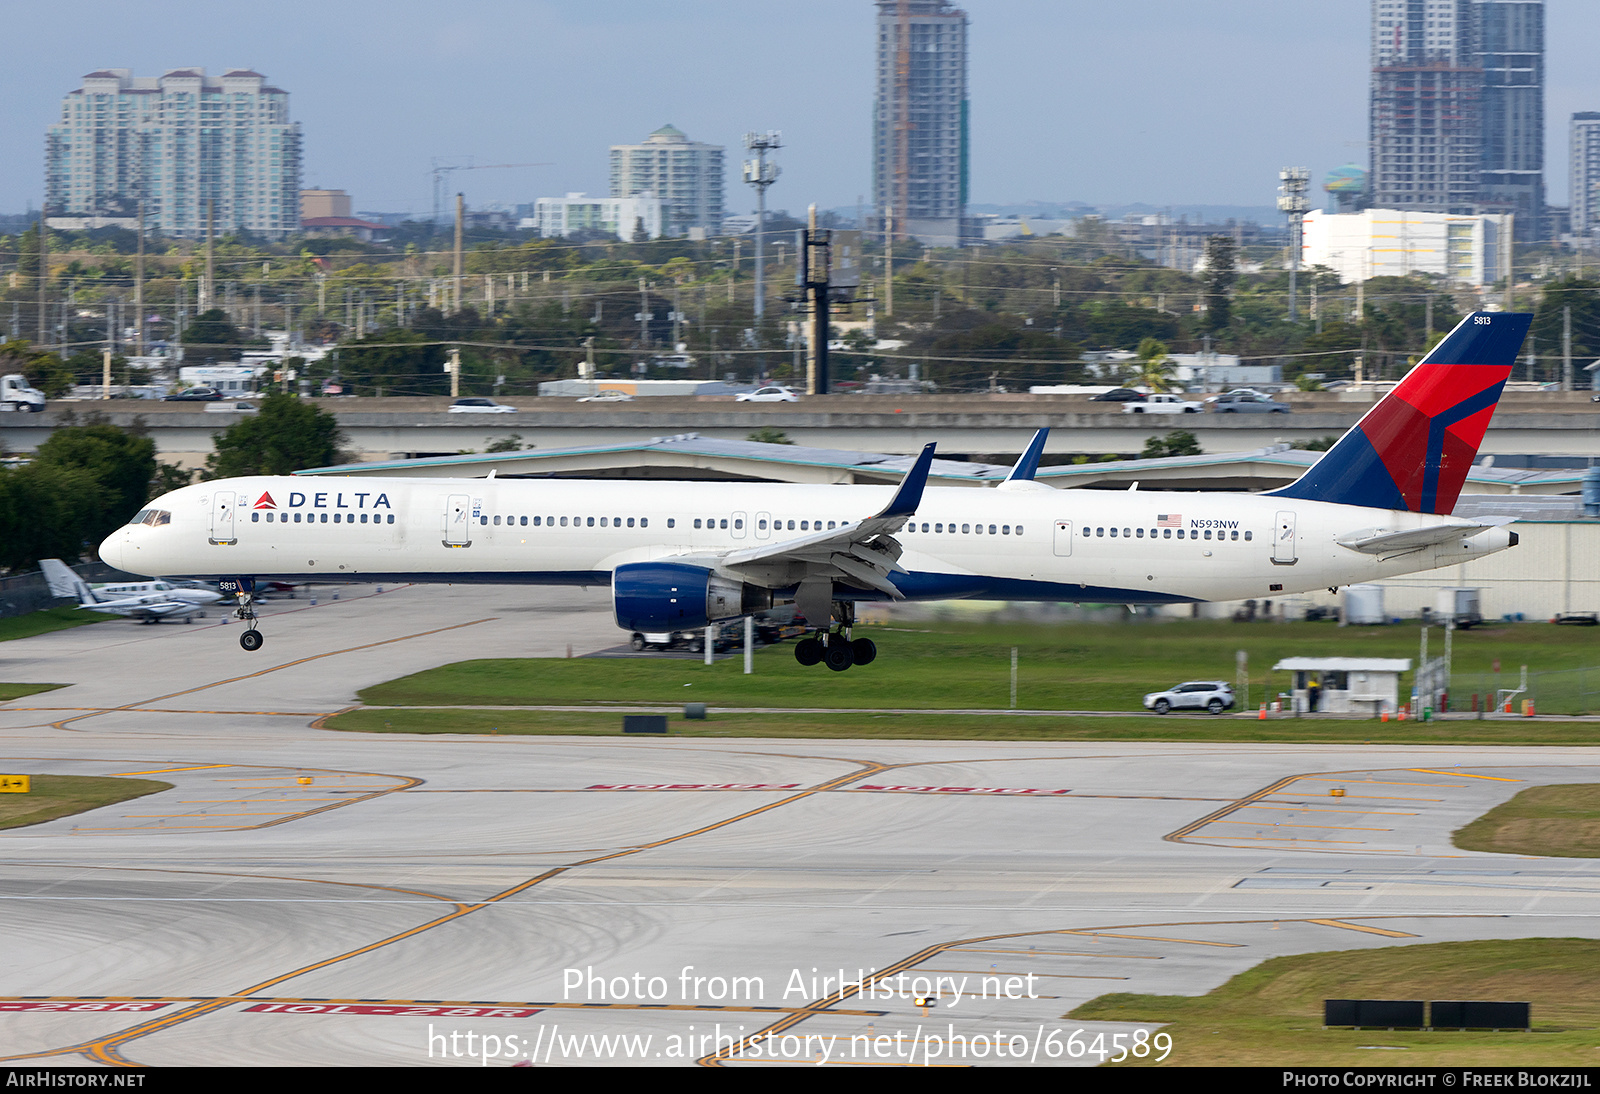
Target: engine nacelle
<point>674,596</point>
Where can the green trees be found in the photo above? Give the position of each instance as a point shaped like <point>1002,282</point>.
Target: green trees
<point>285,436</point>
<point>81,484</point>
<point>1220,274</point>
<point>1180,442</point>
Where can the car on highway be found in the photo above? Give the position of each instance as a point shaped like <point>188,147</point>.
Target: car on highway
<point>194,395</point>
<point>1162,404</point>
<point>610,395</point>
<point>1117,395</point>
<point>1215,696</point>
<point>771,394</point>
<point>480,406</point>
<point>1246,402</point>
<point>228,406</point>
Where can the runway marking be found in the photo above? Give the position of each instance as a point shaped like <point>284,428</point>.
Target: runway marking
<point>1466,775</point>
<point>1152,938</point>
<point>1349,812</point>
<point>1321,827</point>
<point>57,1003</point>
<point>1379,782</point>
<point>106,1049</point>
<point>62,724</point>
<point>1363,928</point>
<point>1063,953</point>
<point>1292,839</point>
<point>166,770</point>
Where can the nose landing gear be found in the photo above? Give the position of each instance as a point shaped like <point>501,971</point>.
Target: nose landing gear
<point>244,592</point>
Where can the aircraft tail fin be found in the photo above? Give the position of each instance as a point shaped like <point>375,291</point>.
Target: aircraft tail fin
<point>63,582</point>
<point>1412,450</point>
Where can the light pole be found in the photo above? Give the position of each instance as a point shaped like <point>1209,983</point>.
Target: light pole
<point>1293,182</point>
<point>761,174</point>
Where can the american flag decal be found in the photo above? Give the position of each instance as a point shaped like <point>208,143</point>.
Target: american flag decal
<point>1169,520</point>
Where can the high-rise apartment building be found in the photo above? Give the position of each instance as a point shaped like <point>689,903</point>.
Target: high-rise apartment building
<point>686,175</point>
<point>1509,49</point>
<point>1427,110</point>
<point>180,144</point>
<point>1585,172</point>
<point>1458,108</point>
<point>919,119</point>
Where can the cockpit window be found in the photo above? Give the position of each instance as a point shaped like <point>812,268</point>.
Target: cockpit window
<point>152,517</point>
<point>139,517</point>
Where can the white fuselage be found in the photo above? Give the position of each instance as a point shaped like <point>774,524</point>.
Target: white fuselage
<point>1034,543</point>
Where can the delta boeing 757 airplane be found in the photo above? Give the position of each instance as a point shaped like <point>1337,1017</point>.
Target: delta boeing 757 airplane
<point>682,555</point>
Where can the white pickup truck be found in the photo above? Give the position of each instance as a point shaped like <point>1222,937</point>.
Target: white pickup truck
<point>17,394</point>
<point>1162,404</point>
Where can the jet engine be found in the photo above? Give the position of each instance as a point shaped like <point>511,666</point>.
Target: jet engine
<point>671,596</point>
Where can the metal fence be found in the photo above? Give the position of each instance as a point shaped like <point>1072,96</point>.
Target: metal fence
<point>24,593</point>
<point>1566,691</point>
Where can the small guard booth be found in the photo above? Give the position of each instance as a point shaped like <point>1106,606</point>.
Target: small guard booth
<point>1345,685</point>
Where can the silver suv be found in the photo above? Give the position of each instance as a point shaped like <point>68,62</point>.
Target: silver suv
<point>1213,695</point>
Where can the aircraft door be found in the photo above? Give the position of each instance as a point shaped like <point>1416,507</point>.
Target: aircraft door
<point>1283,540</point>
<point>763,525</point>
<point>1063,537</point>
<point>222,507</point>
<point>458,521</point>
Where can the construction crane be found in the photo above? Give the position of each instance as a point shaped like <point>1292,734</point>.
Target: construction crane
<point>441,177</point>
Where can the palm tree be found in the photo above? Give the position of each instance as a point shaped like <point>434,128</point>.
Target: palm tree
<point>1152,367</point>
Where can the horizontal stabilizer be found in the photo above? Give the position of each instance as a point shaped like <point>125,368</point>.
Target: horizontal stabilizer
<point>1382,541</point>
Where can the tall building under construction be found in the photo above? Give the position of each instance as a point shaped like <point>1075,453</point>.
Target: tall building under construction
<point>920,146</point>
<point>1457,108</point>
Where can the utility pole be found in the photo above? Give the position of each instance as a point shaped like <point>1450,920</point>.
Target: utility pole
<point>888,264</point>
<point>460,216</point>
<point>814,267</point>
<point>138,289</point>
<point>1566,348</point>
<point>761,174</point>
<point>208,286</point>
<point>44,276</point>
<point>105,366</point>
<point>455,372</point>
<point>1292,201</point>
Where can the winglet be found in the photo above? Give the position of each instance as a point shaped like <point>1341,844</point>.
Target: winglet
<point>1028,462</point>
<point>909,496</point>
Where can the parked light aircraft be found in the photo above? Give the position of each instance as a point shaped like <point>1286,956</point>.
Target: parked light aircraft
<point>683,555</point>
<point>146,601</point>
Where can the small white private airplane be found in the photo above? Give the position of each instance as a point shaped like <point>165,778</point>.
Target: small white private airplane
<point>682,555</point>
<point>146,601</point>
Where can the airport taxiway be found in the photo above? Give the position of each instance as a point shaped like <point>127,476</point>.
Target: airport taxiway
<point>309,896</point>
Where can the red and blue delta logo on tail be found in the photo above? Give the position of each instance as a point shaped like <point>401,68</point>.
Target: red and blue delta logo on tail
<point>1413,450</point>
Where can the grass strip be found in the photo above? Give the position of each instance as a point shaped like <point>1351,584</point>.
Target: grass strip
<point>946,727</point>
<point>17,691</point>
<point>1562,820</point>
<point>56,796</point>
<point>47,620</point>
<point>1272,1014</point>
<point>964,665</point>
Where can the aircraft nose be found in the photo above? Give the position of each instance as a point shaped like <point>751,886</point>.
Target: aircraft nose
<point>111,548</point>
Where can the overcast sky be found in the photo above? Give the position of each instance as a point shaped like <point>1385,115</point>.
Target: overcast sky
<point>1159,101</point>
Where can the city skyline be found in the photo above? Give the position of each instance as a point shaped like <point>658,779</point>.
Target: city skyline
<point>1170,106</point>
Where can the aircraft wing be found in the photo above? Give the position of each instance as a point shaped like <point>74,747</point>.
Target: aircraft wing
<point>1382,541</point>
<point>863,553</point>
<point>162,609</point>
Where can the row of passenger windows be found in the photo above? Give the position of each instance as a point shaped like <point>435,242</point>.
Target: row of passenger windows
<point>1164,533</point>
<point>968,529</point>
<point>576,522</point>
<point>311,518</point>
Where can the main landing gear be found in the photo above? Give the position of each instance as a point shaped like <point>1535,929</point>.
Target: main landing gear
<point>836,648</point>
